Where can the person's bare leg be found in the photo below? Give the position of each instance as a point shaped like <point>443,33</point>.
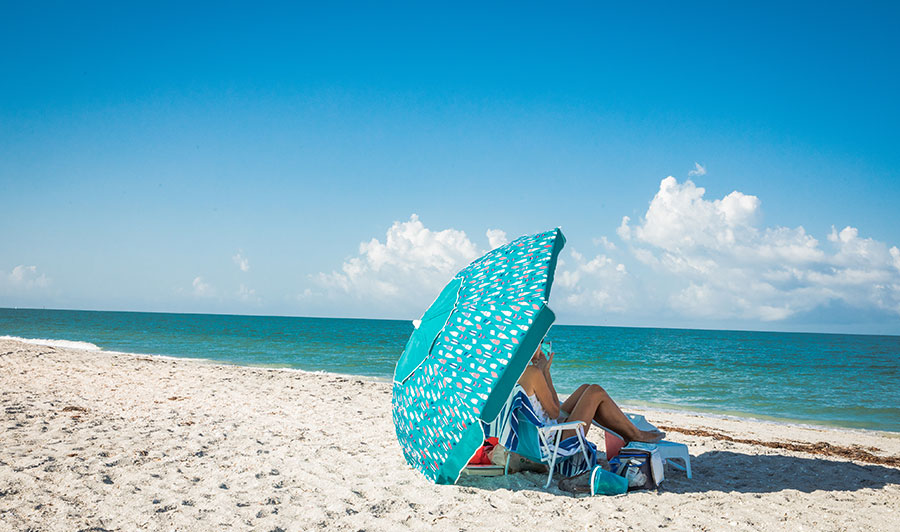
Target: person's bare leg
<point>569,404</point>
<point>596,404</point>
<point>611,416</point>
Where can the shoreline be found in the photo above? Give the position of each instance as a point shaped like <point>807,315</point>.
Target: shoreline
<point>662,408</point>
<point>119,441</point>
<point>755,418</point>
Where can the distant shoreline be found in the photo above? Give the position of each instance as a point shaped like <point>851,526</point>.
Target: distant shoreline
<point>410,320</point>
<point>664,408</point>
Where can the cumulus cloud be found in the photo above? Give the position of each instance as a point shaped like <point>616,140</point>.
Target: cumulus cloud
<point>698,170</point>
<point>597,283</point>
<point>680,218</point>
<point>688,256</point>
<point>407,269</point>
<point>605,242</point>
<point>624,230</point>
<point>27,277</point>
<point>721,264</point>
<point>496,238</point>
<point>202,288</point>
<point>242,262</point>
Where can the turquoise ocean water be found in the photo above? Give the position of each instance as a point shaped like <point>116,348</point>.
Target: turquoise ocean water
<point>827,379</point>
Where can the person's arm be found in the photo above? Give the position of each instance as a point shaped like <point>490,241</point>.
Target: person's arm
<point>549,379</point>
<point>543,363</point>
<point>534,382</point>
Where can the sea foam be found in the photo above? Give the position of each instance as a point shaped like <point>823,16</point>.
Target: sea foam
<point>69,344</point>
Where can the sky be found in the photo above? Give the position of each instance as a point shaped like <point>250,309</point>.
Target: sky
<point>712,166</point>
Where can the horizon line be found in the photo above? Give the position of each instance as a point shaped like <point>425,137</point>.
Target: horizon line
<point>412,319</point>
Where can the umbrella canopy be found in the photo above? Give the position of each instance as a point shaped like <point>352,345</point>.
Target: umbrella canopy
<point>472,345</point>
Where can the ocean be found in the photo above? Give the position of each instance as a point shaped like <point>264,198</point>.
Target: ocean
<point>850,381</point>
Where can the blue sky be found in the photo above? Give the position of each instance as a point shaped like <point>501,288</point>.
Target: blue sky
<point>148,153</point>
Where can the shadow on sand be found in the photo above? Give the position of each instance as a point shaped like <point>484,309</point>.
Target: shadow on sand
<point>744,473</point>
<point>727,471</point>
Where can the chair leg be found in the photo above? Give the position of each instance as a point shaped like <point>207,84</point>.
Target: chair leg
<point>553,460</point>
<point>686,467</point>
<point>550,474</point>
<point>676,465</point>
<point>587,459</point>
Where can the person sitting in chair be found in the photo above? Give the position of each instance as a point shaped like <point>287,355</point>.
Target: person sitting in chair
<point>589,402</point>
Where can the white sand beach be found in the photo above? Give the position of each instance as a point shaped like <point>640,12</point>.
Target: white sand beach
<point>93,440</point>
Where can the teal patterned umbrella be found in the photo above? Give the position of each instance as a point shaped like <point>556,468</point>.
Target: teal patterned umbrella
<point>472,345</point>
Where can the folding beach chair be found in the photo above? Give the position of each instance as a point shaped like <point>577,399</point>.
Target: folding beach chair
<point>521,431</point>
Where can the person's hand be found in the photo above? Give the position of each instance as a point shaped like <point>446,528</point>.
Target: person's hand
<point>539,360</point>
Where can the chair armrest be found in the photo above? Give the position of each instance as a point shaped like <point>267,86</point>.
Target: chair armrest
<point>594,423</point>
<point>567,425</point>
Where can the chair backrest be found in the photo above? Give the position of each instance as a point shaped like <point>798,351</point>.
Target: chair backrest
<point>529,443</point>
<point>516,427</point>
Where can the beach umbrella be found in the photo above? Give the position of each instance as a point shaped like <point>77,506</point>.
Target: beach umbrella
<point>469,349</point>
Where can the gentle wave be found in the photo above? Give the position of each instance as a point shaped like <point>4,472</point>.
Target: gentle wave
<point>69,344</point>
<point>87,346</point>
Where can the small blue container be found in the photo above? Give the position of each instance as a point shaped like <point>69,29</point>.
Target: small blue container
<point>604,482</point>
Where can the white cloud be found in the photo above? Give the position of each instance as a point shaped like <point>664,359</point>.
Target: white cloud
<point>599,283</point>
<point>605,242</point>
<point>705,260</point>
<point>720,264</point>
<point>698,170</point>
<point>27,277</point>
<point>496,238</point>
<point>406,270</point>
<point>679,218</point>
<point>242,262</point>
<point>624,230</point>
<point>202,288</point>
<point>248,295</point>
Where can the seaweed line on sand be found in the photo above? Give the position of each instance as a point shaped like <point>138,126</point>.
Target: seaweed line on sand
<point>822,448</point>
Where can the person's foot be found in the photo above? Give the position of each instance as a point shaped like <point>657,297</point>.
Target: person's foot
<point>649,436</point>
